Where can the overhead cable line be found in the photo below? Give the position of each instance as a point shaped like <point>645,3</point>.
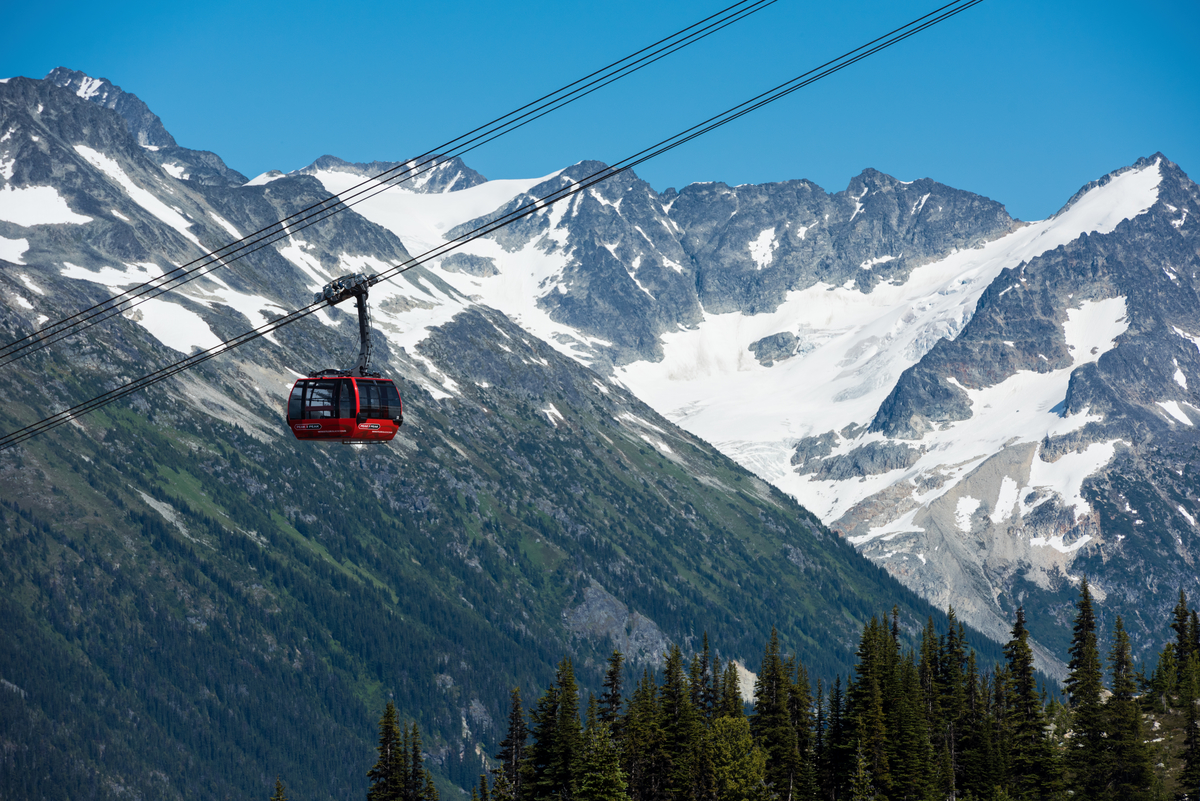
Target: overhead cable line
<point>524,210</point>
<point>369,187</point>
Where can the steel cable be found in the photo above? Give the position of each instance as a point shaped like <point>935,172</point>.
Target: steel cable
<point>782,90</point>
<point>368,188</point>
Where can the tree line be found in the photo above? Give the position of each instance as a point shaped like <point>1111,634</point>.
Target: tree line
<point>908,724</point>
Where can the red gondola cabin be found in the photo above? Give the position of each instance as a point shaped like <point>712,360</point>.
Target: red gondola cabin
<point>342,408</point>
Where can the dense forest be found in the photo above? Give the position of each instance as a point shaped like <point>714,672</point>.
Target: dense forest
<point>907,724</point>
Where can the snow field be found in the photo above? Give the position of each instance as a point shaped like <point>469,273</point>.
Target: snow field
<point>855,346</point>
<point>418,219</point>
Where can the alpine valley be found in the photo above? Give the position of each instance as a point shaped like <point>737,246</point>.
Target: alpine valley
<point>626,413</point>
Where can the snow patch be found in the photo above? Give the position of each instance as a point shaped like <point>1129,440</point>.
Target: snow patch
<point>228,226</point>
<point>1195,340</point>
<point>32,287</point>
<point>11,250</point>
<point>1066,476</point>
<point>553,414</point>
<point>901,525</point>
<point>966,507</point>
<point>762,249</point>
<point>36,205</point>
<point>175,170</point>
<point>1006,501</point>
<point>176,327</point>
<point>265,178</point>
<point>89,88</point>
<point>869,263</point>
<point>1172,408</point>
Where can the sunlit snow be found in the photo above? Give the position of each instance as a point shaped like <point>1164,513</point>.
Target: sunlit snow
<point>855,345</point>
<point>265,178</point>
<point>762,249</point>
<point>11,250</point>
<point>29,284</point>
<point>176,327</point>
<point>36,205</point>
<point>420,219</point>
<point>1172,408</point>
<point>963,511</point>
<point>175,170</point>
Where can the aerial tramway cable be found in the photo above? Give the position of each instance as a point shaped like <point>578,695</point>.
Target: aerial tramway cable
<point>369,187</point>
<point>526,209</point>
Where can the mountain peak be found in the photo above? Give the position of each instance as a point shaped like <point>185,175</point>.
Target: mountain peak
<point>432,174</point>
<point>143,123</point>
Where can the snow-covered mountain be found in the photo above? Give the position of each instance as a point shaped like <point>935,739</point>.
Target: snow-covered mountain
<point>824,341</point>
<point>986,407</point>
<point>217,603</point>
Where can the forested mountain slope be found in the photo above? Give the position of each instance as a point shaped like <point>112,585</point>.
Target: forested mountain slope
<point>195,602</point>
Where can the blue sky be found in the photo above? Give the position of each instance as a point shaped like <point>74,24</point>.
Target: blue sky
<point>1020,101</point>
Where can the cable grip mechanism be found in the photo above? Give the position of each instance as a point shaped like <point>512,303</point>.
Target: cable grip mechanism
<point>354,285</point>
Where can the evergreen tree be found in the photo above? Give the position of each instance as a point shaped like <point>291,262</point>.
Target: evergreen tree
<point>680,727</point>
<point>1029,761</point>
<point>612,697</point>
<point>771,722</point>
<point>280,791</point>
<point>731,704</point>
<point>976,773</point>
<point>715,691</point>
<point>841,745</point>
<point>568,736</point>
<point>502,789</point>
<point>911,757</point>
<point>428,788</point>
<point>738,764</point>
<point>417,781</point>
<point>1085,754</point>
<point>512,748</point>
<point>949,729</point>
<point>535,780</point>
<point>600,777</point>
<point>1127,761</point>
<point>1189,698</point>
<point>870,693</point>
<point>1182,627</point>
<point>644,762</point>
<point>1194,633</point>
<point>800,711</point>
<point>1164,681</point>
<point>484,794</point>
<point>703,700</point>
<point>387,775</point>
<point>861,787</point>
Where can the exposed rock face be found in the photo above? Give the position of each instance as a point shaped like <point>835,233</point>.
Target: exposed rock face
<point>600,615</point>
<point>636,265</point>
<point>1088,355</point>
<point>776,347</point>
<point>870,459</point>
<point>428,175</point>
<point>479,266</point>
<point>144,124</point>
